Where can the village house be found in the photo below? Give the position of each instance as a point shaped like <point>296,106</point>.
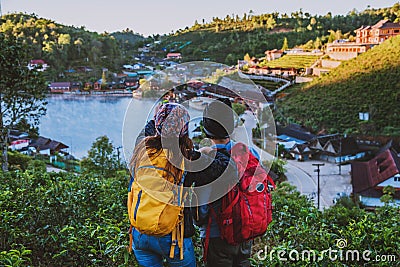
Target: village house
<point>371,177</point>
<point>60,87</point>
<point>273,54</point>
<point>46,146</point>
<point>366,38</point>
<point>341,149</point>
<point>18,140</point>
<point>38,64</point>
<point>272,71</point>
<point>377,33</point>
<point>301,152</point>
<point>294,132</point>
<point>174,56</point>
<point>75,86</point>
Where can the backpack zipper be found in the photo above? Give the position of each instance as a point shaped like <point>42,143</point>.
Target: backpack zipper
<point>137,204</point>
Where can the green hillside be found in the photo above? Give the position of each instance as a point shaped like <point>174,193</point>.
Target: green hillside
<point>228,39</point>
<point>369,83</point>
<point>68,47</point>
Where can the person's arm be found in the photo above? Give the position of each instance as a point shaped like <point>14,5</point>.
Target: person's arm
<point>206,167</point>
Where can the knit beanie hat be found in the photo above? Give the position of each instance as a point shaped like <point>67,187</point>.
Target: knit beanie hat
<point>218,121</point>
<point>172,120</point>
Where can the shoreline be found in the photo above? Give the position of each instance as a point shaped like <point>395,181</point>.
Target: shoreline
<point>119,93</point>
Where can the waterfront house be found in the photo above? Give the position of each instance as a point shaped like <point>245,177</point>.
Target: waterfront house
<point>371,177</point>
<point>131,83</point>
<point>60,87</point>
<point>76,86</point>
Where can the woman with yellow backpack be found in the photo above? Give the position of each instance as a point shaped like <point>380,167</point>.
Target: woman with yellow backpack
<point>160,195</point>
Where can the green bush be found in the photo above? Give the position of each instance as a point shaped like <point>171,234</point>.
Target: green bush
<point>18,161</point>
<point>299,227</point>
<point>64,219</point>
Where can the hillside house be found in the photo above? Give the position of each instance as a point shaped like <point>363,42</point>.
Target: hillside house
<point>272,71</point>
<point>38,64</point>
<point>378,33</point>
<point>346,50</point>
<point>60,87</point>
<point>18,140</point>
<point>174,56</point>
<point>366,38</point>
<point>371,177</point>
<point>46,146</point>
<point>273,54</point>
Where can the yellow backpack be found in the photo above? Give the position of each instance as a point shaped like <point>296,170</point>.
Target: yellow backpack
<point>155,202</point>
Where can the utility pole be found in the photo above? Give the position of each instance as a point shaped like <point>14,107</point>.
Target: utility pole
<point>318,171</point>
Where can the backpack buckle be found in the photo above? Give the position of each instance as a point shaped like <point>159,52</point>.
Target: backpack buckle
<point>228,221</point>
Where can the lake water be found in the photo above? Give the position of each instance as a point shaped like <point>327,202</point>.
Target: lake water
<point>78,120</point>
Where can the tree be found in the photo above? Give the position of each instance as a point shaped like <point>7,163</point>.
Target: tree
<point>64,39</point>
<point>22,91</point>
<point>317,43</point>
<point>285,45</point>
<point>101,158</point>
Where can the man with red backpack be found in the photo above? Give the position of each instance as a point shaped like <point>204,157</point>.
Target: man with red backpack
<point>229,223</point>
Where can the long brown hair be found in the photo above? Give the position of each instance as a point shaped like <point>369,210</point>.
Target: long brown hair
<point>154,146</point>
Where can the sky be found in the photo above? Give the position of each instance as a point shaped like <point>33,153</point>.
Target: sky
<point>166,16</point>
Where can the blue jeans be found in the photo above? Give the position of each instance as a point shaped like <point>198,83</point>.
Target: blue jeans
<point>152,251</point>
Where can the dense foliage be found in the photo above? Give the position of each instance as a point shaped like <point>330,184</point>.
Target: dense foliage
<point>62,219</point>
<point>369,83</point>
<point>333,235</point>
<point>67,48</point>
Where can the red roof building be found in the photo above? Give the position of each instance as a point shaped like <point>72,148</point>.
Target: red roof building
<point>174,56</point>
<point>377,33</point>
<point>369,178</point>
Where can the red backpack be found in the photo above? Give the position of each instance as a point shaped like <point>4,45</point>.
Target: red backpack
<point>246,210</point>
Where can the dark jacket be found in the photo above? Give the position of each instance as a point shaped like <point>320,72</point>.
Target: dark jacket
<point>197,175</point>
